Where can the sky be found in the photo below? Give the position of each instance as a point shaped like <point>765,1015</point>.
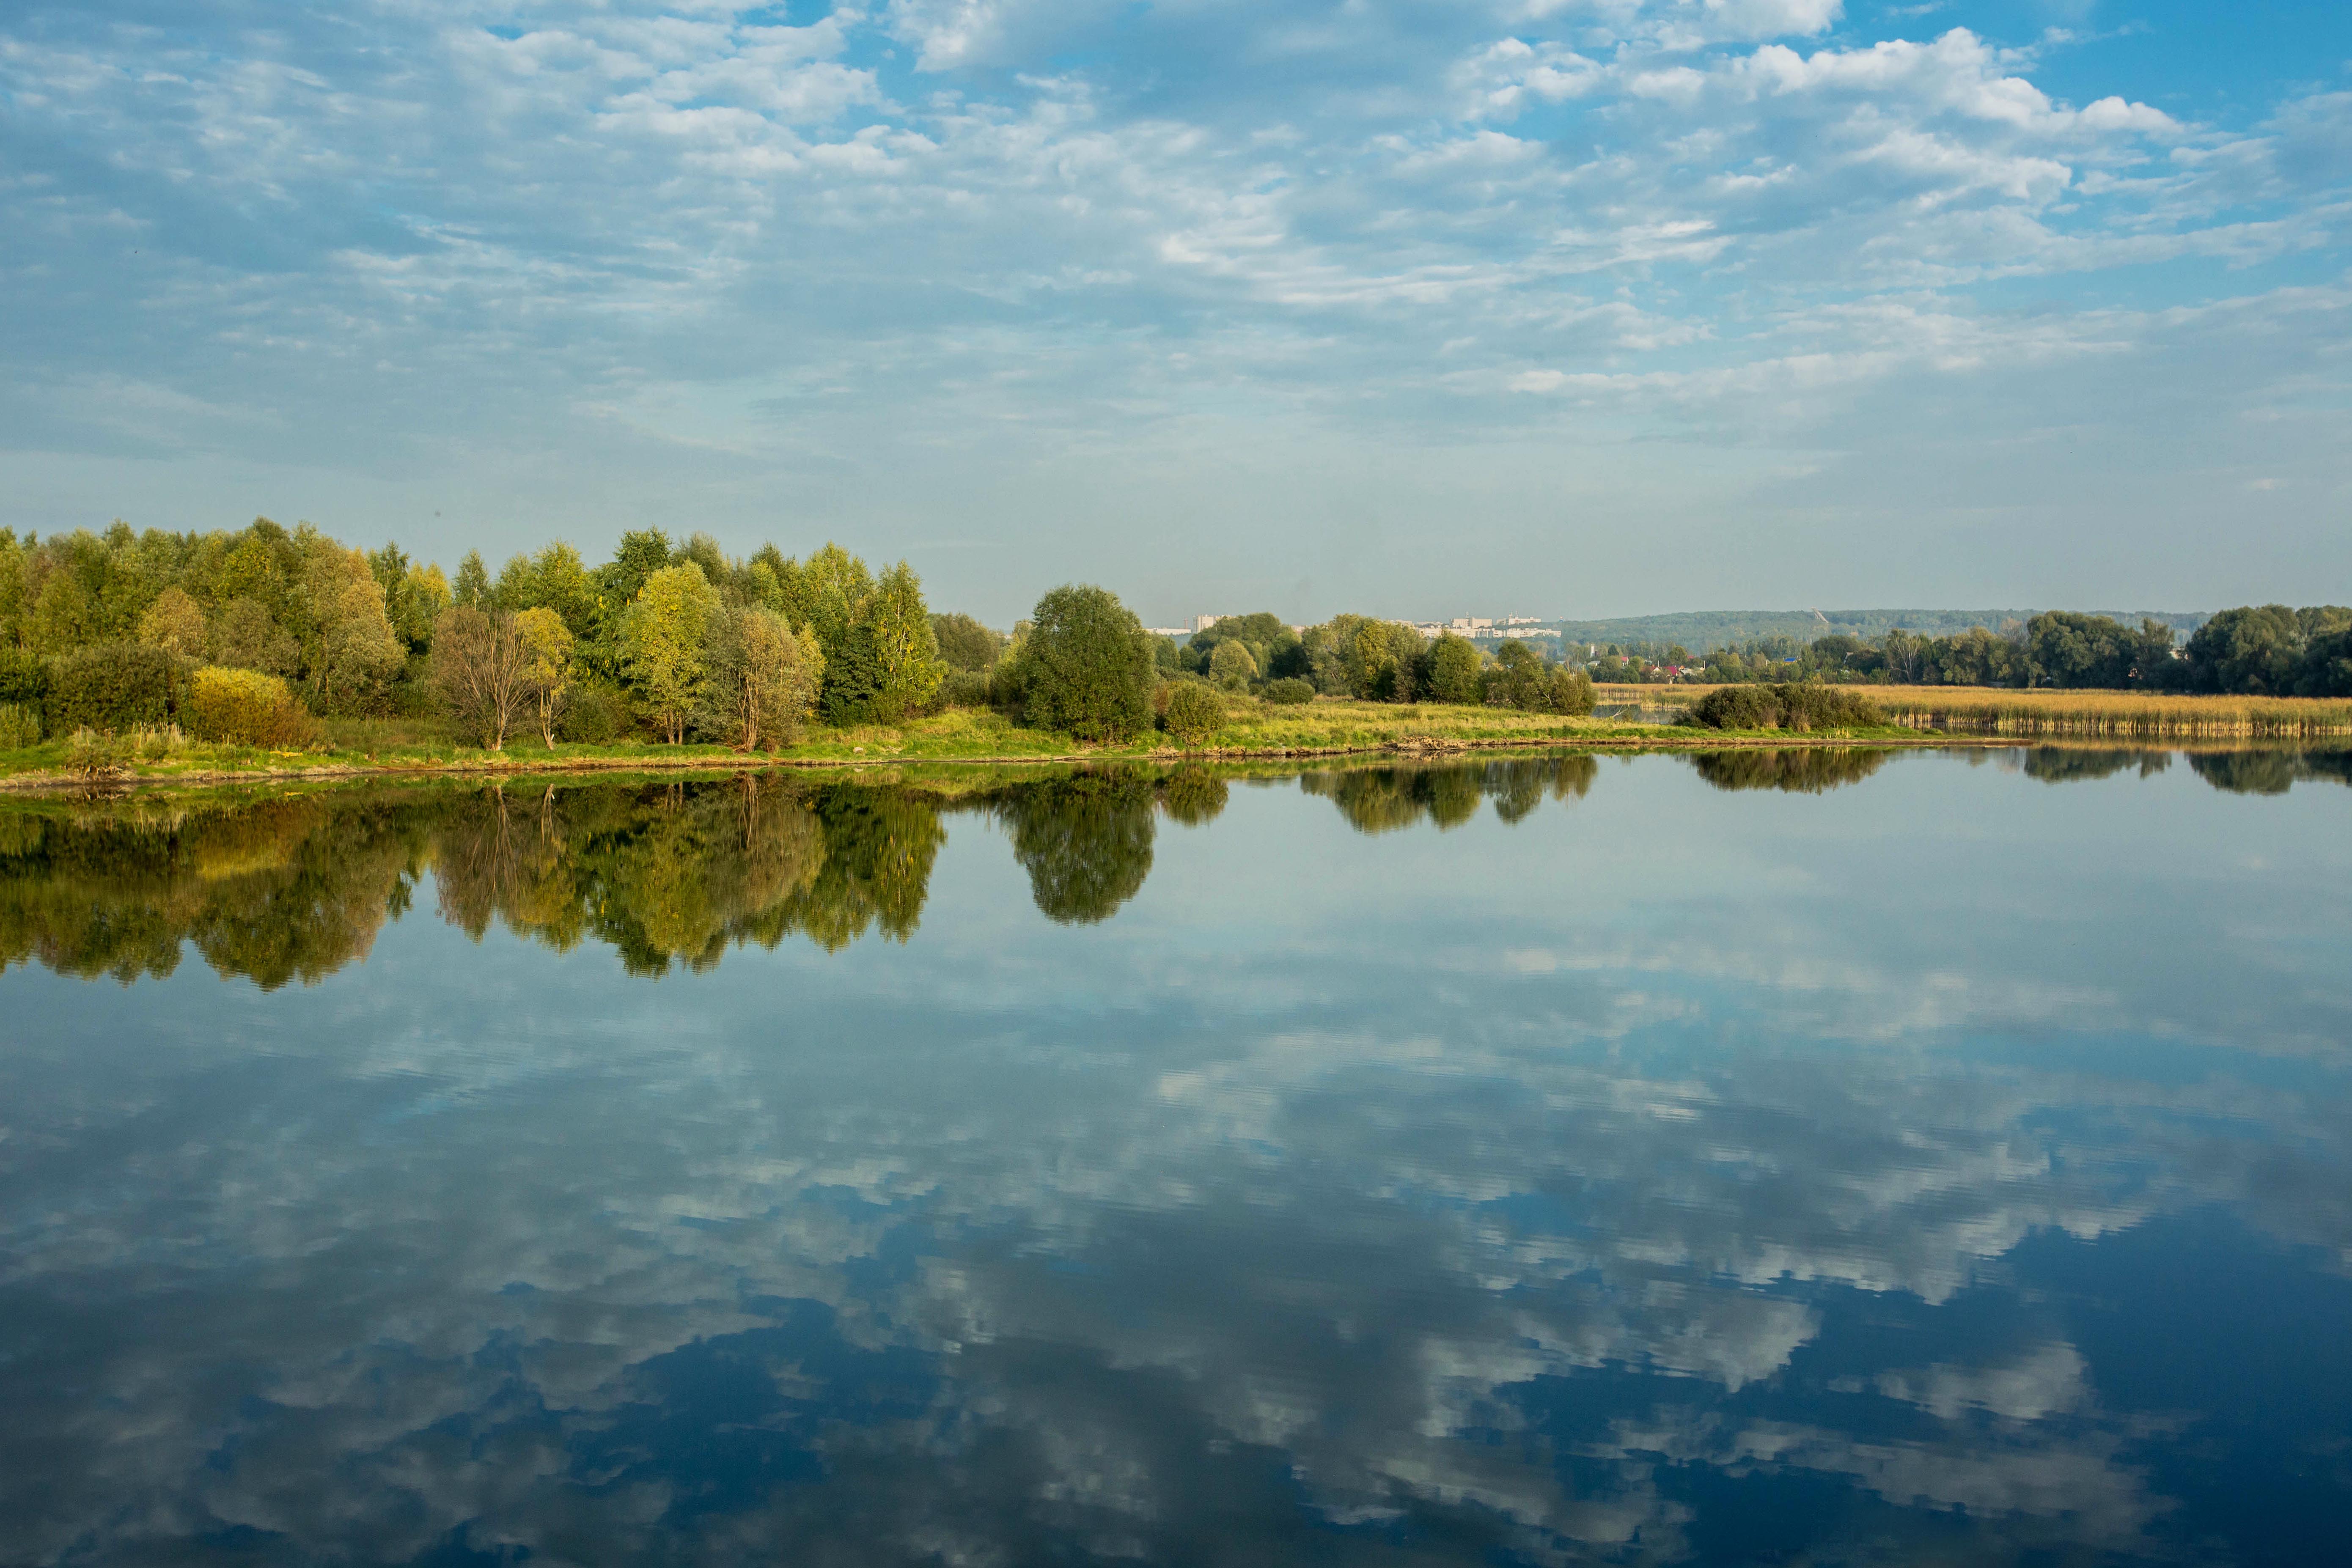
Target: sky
<point>1406,307</point>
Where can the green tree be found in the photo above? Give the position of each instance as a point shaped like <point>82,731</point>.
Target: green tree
<point>1085,666</point>
<point>1454,670</point>
<point>175,623</point>
<point>905,655</point>
<point>964,643</point>
<point>547,645</point>
<point>1231,666</point>
<point>663,641</point>
<point>472,589</point>
<point>764,677</point>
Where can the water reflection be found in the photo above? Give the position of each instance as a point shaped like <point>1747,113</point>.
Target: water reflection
<point>1826,1187</point>
<point>672,875</point>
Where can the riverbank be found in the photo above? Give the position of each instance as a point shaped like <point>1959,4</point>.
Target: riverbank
<point>413,748</point>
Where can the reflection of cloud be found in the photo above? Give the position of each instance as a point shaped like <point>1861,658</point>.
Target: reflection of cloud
<point>1500,1227</point>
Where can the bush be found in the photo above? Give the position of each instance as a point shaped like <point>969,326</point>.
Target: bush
<point>245,708</point>
<point>964,688</point>
<point>111,685</point>
<point>1195,713</point>
<point>96,757</point>
<point>20,726</point>
<point>1288,691</point>
<point>595,717</point>
<point>1784,707</point>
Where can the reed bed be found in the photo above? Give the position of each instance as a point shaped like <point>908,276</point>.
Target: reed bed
<point>1990,711</point>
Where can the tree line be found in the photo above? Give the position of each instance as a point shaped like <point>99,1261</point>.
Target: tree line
<point>2268,650</point>
<point>250,635</point>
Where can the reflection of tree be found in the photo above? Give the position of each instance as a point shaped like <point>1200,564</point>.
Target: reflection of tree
<point>1804,770</point>
<point>878,846</point>
<point>1194,796</point>
<point>665,874</point>
<point>261,891</point>
<point>2269,771</point>
<point>1086,842</point>
<point>2069,764</point>
<point>1380,800</point>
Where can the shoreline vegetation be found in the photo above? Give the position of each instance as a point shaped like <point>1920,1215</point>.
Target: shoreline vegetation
<point>960,739</point>
<point>272,654</point>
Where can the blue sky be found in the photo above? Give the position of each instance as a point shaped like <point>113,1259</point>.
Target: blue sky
<point>1582,307</point>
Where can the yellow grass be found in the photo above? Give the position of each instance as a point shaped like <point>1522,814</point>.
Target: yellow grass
<point>2005,711</point>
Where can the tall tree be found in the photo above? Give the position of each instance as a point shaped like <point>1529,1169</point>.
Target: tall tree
<point>547,645</point>
<point>664,636</point>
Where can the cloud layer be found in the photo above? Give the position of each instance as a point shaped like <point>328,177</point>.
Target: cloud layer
<point>1023,287</point>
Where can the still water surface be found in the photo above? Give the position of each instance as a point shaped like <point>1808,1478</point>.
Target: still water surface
<point>1811,1156</point>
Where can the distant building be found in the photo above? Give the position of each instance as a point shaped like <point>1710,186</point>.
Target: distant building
<point>1202,623</point>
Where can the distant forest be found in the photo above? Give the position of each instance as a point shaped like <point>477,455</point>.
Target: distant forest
<point>1705,631</point>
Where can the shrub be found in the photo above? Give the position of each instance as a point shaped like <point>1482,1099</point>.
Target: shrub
<point>20,726</point>
<point>1288,690</point>
<point>1784,707</point>
<point>245,708</point>
<point>1194,715</point>
<point>96,757</point>
<point>111,685</point>
<point>595,717</point>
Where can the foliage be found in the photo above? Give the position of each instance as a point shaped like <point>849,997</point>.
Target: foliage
<point>1784,706</point>
<point>175,623</point>
<point>547,645</point>
<point>965,644</point>
<point>245,708</point>
<point>1288,690</point>
<point>1085,666</point>
<point>1195,713</point>
<point>663,638</point>
<point>1231,666</point>
<point>1454,670</point>
<point>20,726</point>
<point>24,679</point>
<point>894,624</point>
<point>965,688</point>
<point>596,715</point>
<point>111,685</point>
<point>763,677</point>
<point>472,589</point>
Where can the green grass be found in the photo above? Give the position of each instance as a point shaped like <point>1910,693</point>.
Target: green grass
<point>956,736</point>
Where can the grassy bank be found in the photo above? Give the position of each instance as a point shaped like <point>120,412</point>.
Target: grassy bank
<point>359,747</point>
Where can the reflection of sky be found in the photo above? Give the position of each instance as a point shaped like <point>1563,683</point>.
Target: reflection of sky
<point>1949,1164</point>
